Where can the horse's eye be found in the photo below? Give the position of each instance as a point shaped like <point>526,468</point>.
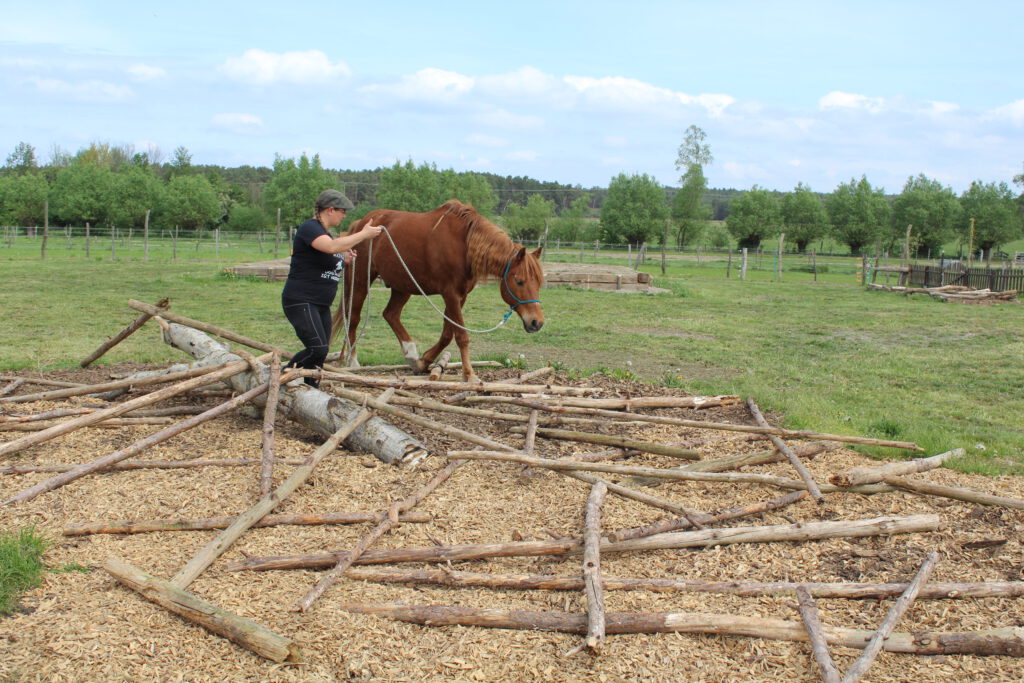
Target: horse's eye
<point>520,282</point>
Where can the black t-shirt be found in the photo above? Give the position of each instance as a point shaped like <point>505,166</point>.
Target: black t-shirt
<point>313,275</point>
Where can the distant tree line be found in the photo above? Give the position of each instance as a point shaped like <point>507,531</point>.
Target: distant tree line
<point>106,185</point>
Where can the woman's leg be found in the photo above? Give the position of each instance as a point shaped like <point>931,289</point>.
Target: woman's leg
<point>312,325</point>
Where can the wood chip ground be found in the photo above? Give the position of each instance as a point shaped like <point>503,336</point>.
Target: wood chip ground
<point>83,626</point>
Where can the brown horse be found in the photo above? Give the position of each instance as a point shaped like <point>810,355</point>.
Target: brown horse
<point>446,251</point>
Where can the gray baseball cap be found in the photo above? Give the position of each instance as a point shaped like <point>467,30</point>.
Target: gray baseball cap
<point>333,199</point>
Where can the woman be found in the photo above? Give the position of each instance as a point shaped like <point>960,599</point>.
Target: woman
<point>317,261</point>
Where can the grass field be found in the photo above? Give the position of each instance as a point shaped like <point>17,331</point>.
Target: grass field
<point>827,355</point>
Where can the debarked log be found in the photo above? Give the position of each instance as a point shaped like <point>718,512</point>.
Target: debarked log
<point>244,632</point>
<point>879,526</point>
<point>1007,641</point>
<point>871,475</point>
<point>314,409</point>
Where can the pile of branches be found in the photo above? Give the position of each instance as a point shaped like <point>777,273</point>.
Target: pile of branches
<point>958,293</point>
<point>531,407</point>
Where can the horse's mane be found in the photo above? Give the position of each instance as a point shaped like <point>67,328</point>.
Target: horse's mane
<point>488,247</point>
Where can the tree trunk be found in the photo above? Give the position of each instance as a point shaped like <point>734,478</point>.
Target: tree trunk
<point>314,409</point>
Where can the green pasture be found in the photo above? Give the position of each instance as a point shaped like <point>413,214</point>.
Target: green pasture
<point>823,354</point>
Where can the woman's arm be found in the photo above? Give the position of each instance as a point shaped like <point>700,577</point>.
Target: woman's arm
<point>338,245</point>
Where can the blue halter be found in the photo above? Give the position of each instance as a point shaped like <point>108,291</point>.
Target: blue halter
<point>504,279</point>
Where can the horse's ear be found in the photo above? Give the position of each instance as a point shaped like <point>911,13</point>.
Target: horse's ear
<point>536,254</point>
<point>520,255</point>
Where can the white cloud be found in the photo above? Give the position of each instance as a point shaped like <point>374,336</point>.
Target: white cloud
<point>525,81</point>
<point>145,72</point>
<point>482,140</point>
<point>242,124</point>
<point>86,91</point>
<point>628,93</point>
<point>844,100</point>
<point>437,85</point>
<point>615,141</point>
<point>1013,112</point>
<point>259,67</point>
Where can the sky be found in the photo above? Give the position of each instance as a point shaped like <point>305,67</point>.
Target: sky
<point>574,92</point>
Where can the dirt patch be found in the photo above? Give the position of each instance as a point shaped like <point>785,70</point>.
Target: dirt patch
<point>81,625</point>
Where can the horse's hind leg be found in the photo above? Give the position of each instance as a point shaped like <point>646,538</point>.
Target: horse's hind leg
<point>393,314</point>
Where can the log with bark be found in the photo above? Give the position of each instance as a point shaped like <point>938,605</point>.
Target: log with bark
<point>954,492</point>
<point>182,524</point>
<point>1008,641</point>
<point>812,622</point>
<point>747,589</point>
<point>880,526</point>
<point>616,441</point>
<point>805,474</point>
<point>141,320</point>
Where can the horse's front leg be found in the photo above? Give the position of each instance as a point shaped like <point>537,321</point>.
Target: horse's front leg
<point>393,314</point>
<point>453,328</point>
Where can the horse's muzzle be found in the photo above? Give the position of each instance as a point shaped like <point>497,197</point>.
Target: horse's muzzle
<point>532,324</point>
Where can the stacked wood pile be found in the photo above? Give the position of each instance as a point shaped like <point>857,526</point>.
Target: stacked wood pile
<point>957,293</point>
<point>567,512</point>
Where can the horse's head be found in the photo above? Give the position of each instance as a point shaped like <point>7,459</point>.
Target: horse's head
<point>520,287</point>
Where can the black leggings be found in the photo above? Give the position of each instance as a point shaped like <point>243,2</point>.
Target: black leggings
<point>312,324</point>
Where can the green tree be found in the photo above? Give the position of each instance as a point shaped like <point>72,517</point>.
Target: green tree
<point>858,213</point>
<point>994,210</point>
<point>294,187</point>
<point>689,213</point>
<point>804,217</point>
<point>932,210</point>
<point>133,192</point>
<point>246,218</point>
<point>181,163</point>
<point>22,160</point>
<point>528,222</point>
<point>634,210</point>
<point>82,193</point>
<point>190,202</point>
<point>23,199</point>
<point>407,187</point>
<point>469,188</point>
<point>571,225</point>
<point>754,216</point>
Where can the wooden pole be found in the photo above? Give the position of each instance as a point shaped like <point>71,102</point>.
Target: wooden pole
<point>46,228</point>
<point>805,474</point>
<point>123,334</point>
<point>206,327</point>
<point>1003,641</point>
<point>308,519</point>
<point>806,531</point>
<point>145,235</point>
<point>213,374</point>
<point>746,589</point>
<point>616,441</point>
<point>743,266</point>
<point>592,567</point>
<point>205,557</point>
<point>812,622</point>
<point>125,453</point>
<point>269,413</point>
<point>244,632</point>
<point>955,493</point>
<point>903,603</point>
<point>384,524</point>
